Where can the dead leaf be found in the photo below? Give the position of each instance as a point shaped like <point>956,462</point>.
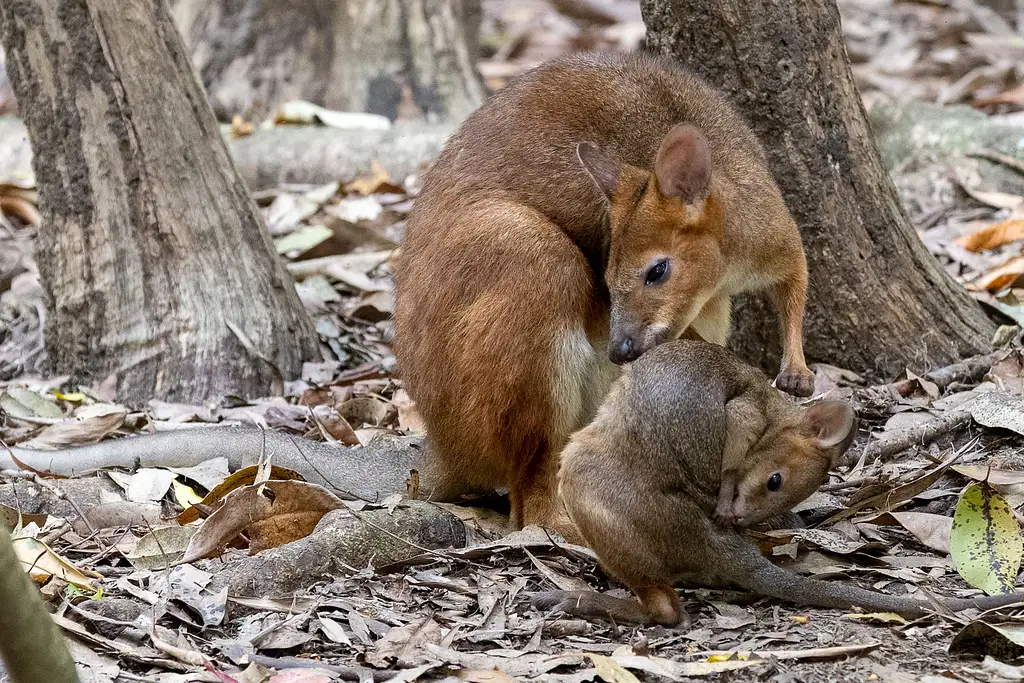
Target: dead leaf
<point>271,514</point>
<point>368,184</point>
<point>932,530</point>
<point>335,426</point>
<point>611,671</point>
<point>21,402</point>
<point>243,477</point>
<point>993,236</point>
<point>1004,642</point>
<point>403,645</point>
<point>408,417</point>
<point>240,128</point>
<point>145,485</point>
<point>302,112</point>
<point>994,475</point>
<point>303,676</point>
<point>363,411</point>
<point>1000,277</point>
<point>731,617</point>
<point>41,563</point>
<point>91,424</point>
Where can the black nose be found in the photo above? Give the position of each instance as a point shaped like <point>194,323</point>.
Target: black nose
<point>623,350</point>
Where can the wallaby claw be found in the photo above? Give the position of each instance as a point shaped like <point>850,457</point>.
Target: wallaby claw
<point>723,516</point>
<point>796,381</point>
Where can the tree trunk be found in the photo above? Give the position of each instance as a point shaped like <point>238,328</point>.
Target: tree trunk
<point>151,250</point>
<point>377,56</point>
<point>878,301</point>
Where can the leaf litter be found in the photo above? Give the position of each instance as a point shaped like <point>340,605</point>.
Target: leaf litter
<point>888,522</point>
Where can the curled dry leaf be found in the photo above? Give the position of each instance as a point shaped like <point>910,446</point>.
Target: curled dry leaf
<point>367,411</point>
<point>91,424</point>
<point>403,645</point>
<point>147,484</point>
<point>160,547</point>
<point>985,541</point>
<point>408,417</point>
<point>243,477</point>
<point>41,563</point>
<point>335,426</point>
<point>271,514</point>
<point>1000,277</point>
<point>930,529</point>
<point>993,236</point>
<point>1004,642</point>
<point>993,475</point>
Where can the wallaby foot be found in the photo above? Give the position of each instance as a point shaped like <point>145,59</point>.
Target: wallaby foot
<point>659,605</point>
<point>796,381</point>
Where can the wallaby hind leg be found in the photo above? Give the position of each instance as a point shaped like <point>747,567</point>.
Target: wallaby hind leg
<point>658,605</point>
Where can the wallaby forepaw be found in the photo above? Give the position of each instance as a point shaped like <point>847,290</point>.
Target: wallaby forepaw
<point>723,517</point>
<point>796,381</point>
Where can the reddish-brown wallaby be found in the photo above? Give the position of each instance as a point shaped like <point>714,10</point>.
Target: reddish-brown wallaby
<point>594,208</point>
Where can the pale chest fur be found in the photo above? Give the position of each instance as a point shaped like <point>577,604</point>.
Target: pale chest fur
<point>581,376</point>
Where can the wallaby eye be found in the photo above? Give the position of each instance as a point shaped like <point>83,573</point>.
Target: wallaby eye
<point>657,273</point>
<point>775,482</point>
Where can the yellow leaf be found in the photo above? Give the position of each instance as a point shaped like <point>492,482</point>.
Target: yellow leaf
<point>41,563</point>
<point>73,397</point>
<point>985,542</point>
<point>611,671</point>
<point>800,619</point>
<point>369,184</point>
<point>184,494</point>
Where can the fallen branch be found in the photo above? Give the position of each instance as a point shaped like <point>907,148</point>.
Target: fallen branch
<point>345,673</point>
<point>914,436</point>
<point>969,370</point>
<point>344,541</point>
<point>369,473</point>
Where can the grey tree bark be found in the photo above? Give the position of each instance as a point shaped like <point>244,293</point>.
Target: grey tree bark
<point>379,56</point>
<point>152,253</point>
<point>878,301</point>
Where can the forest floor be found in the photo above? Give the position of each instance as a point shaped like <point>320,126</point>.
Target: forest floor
<point>884,522</point>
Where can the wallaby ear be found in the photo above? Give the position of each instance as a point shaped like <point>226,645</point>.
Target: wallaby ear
<point>831,424</point>
<point>602,167</point>
<point>683,166</point>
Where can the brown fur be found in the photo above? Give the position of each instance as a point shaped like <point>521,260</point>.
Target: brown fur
<point>526,249</point>
<point>641,483</point>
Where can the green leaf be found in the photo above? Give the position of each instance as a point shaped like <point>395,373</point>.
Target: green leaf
<point>985,542</point>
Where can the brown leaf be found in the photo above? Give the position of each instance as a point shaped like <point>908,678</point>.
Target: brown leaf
<point>367,411</point>
<point>90,425</point>
<point>993,236</point>
<point>371,183</point>
<point>403,645</point>
<point>332,423</point>
<point>993,475</point>
<point>243,477</point>
<point>932,530</point>
<point>1000,277</point>
<point>408,417</point>
<point>271,513</point>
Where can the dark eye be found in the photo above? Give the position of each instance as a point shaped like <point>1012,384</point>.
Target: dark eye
<point>775,482</point>
<point>657,273</point>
